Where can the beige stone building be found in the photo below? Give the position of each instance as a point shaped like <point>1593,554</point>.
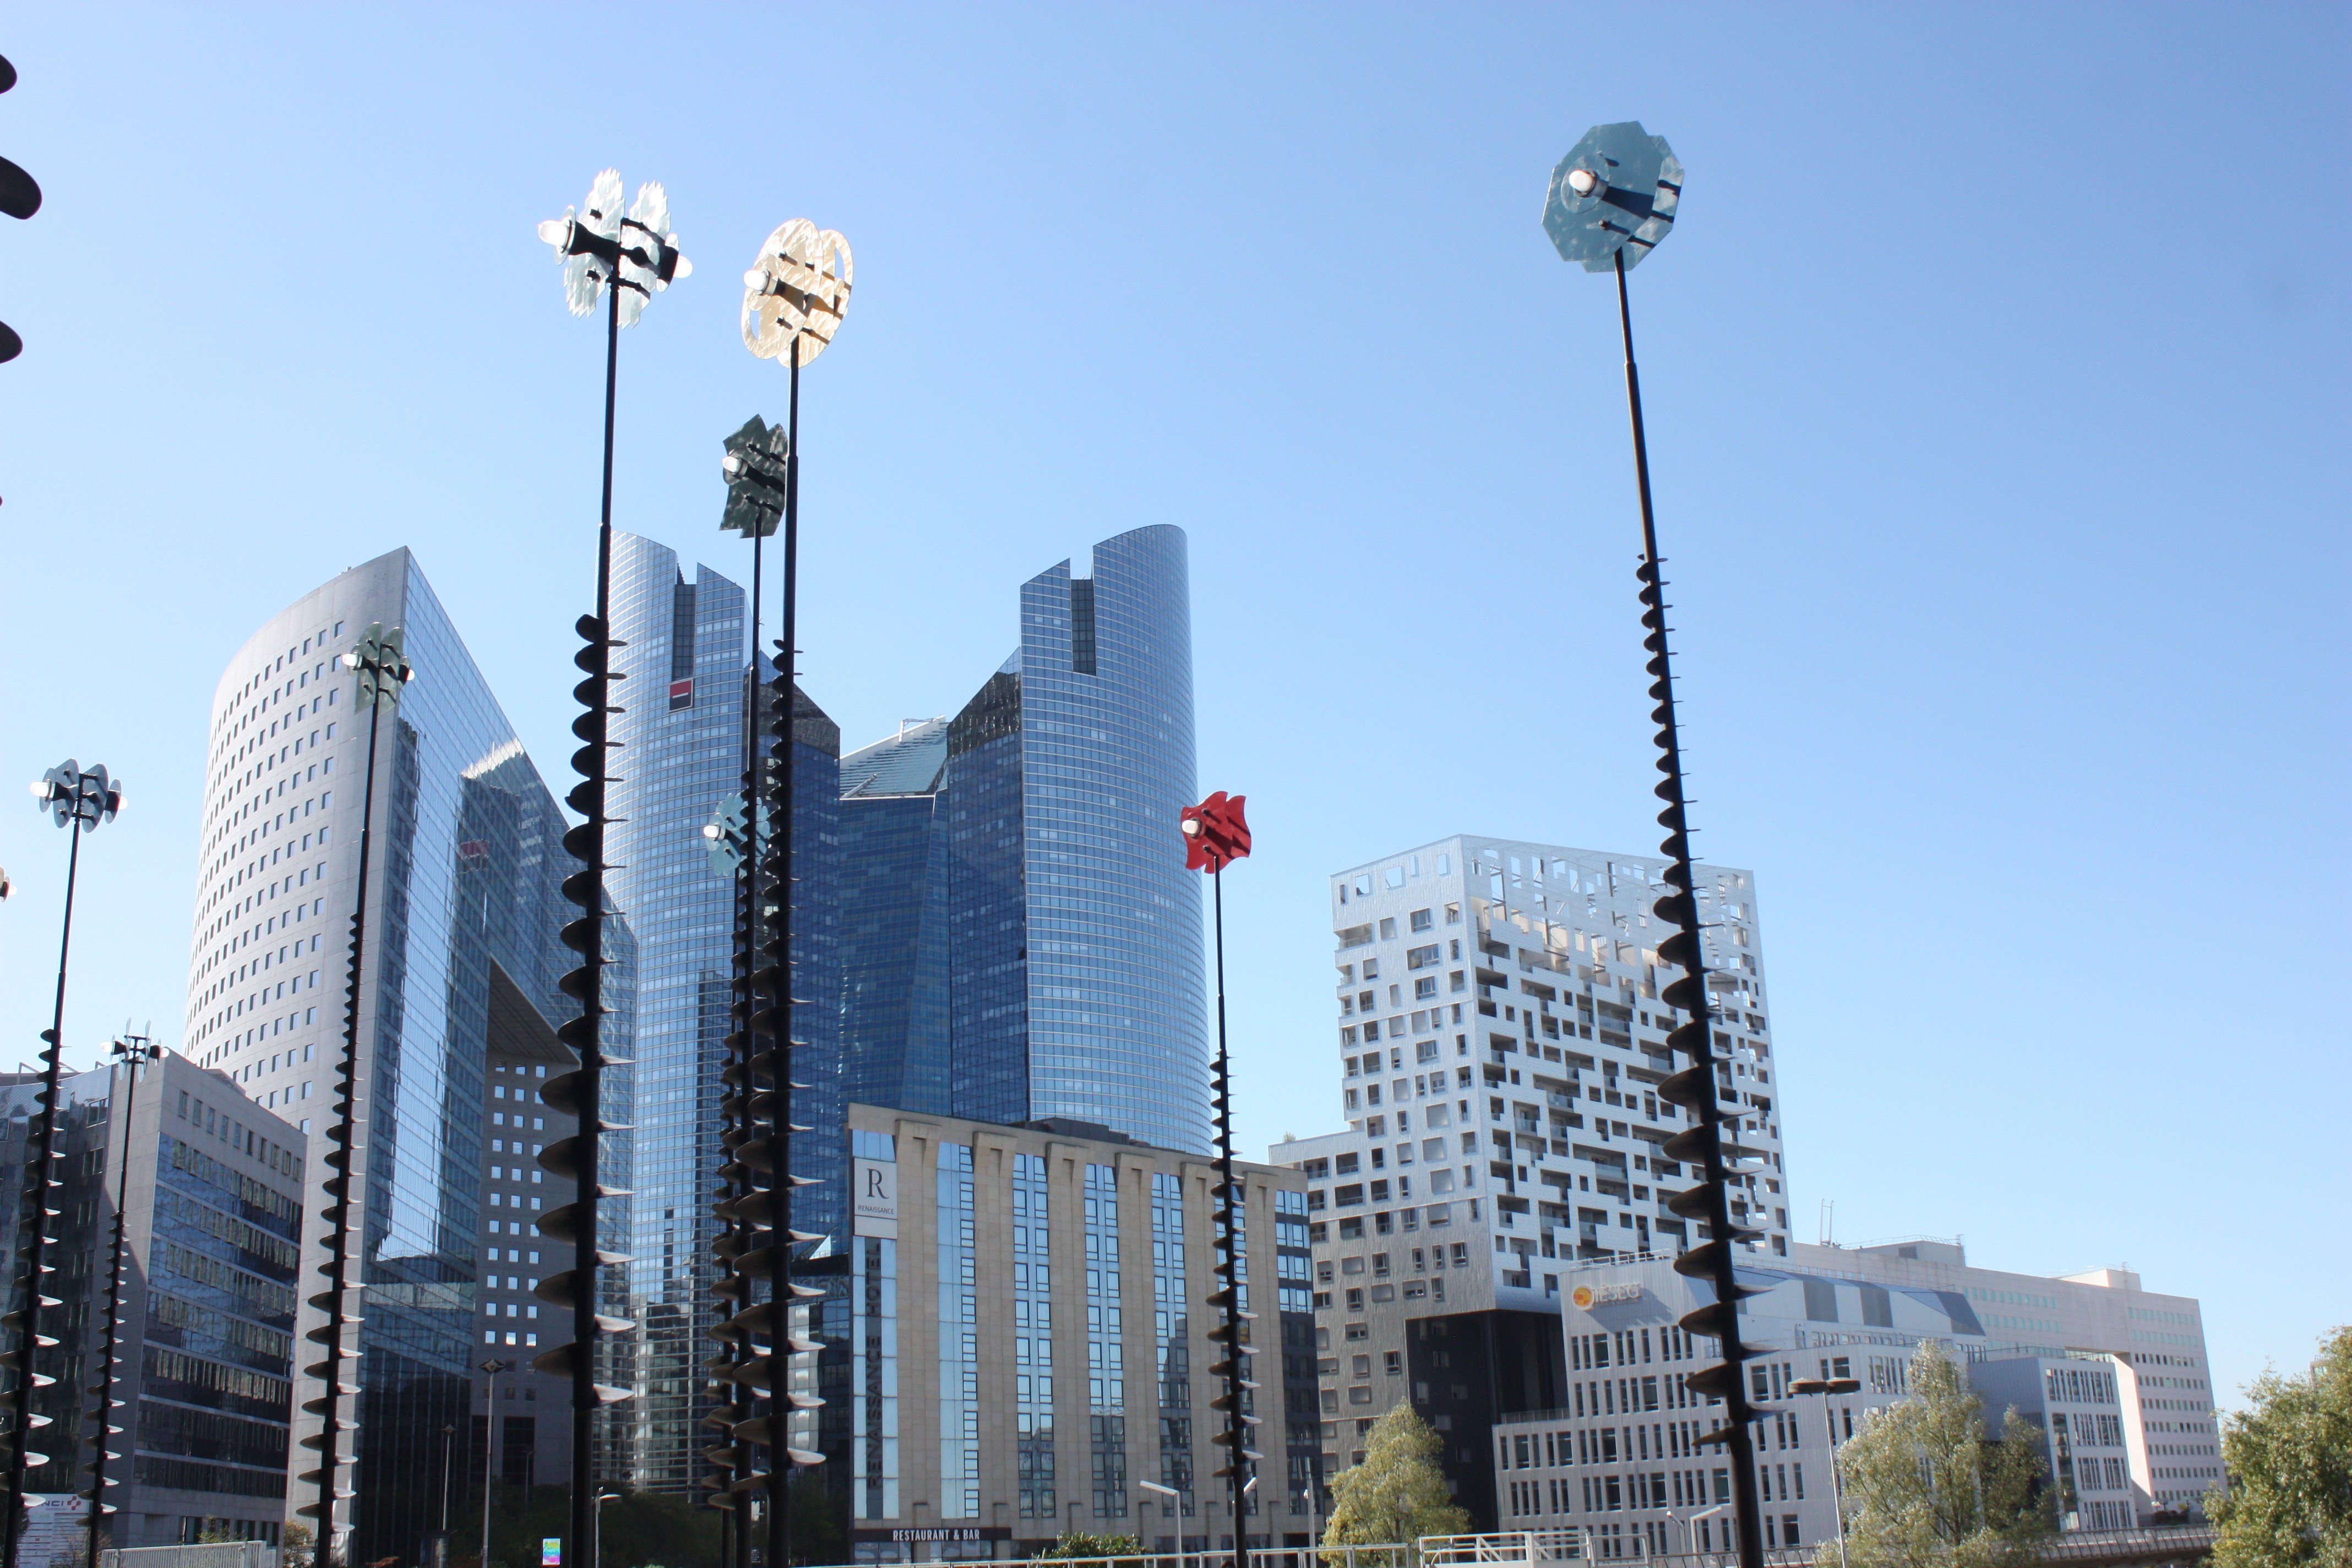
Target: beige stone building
<point>1028,1344</point>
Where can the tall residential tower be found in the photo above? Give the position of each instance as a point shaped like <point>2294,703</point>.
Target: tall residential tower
<point>1500,1048</point>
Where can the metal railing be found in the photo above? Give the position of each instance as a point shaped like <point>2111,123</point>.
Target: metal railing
<point>2142,1548</point>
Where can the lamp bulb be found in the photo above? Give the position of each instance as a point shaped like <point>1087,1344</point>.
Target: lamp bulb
<point>1583,182</point>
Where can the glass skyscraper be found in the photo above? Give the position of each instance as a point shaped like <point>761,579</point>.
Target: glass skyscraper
<point>894,922</point>
<point>682,746</point>
<point>468,861</point>
<point>1039,827</point>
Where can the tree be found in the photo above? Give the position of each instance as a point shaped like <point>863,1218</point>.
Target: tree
<point>296,1552</point>
<point>1924,1486</point>
<point>1398,1493</point>
<point>1078,1543</point>
<point>2289,1459</point>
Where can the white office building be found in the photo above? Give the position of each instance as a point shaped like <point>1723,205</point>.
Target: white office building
<point>2113,1375</point>
<point>1499,1045</point>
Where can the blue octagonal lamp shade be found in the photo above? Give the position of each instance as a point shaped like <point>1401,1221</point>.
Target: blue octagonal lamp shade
<point>1634,184</point>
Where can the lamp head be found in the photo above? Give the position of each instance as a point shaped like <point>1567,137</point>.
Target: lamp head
<point>796,292</point>
<point>1616,191</point>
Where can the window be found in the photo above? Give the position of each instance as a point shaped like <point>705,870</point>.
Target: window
<point>1425,990</point>
<point>1421,919</point>
<point>1388,929</point>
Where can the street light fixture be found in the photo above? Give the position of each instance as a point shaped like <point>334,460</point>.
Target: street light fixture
<point>596,1556</point>
<point>1216,834</point>
<point>81,801</point>
<point>795,298</point>
<point>382,671</point>
<point>489,1442</point>
<point>132,1052</point>
<point>627,260</point>
<point>1826,1387</point>
<point>1613,199</point>
<point>756,470</point>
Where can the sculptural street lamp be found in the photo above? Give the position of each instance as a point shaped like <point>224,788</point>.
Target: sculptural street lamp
<point>794,297</point>
<point>1613,199</point>
<point>384,670</point>
<point>1216,834</point>
<point>625,260</point>
<point>755,468</point>
<point>133,1052</point>
<point>81,800</point>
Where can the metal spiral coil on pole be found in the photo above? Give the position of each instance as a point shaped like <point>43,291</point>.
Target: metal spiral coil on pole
<point>625,260</point>
<point>135,1051</point>
<point>775,1349</point>
<point>1613,199</point>
<point>794,297</point>
<point>757,477</point>
<point>1216,832</point>
<point>382,671</point>
<point>580,1093</point>
<point>79,800</point>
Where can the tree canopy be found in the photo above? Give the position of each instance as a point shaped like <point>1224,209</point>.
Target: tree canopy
<point>1925,1485</point>
<point>1399,1492</point>
<point>2289,1459</point>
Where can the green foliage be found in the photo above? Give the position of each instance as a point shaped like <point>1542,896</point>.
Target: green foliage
<point>2289,1459</point>
<point>1398,1493</point>
<point>294,1549</point>
<point>1924,1486</point>
<point>1078,1543</point>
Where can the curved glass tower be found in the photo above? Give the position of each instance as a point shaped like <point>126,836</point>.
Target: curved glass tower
<point>469,859</point>
<point>1074,930</point>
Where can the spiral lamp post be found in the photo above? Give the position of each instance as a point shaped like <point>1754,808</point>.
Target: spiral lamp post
<point>754,466</point>
<point>132,1052</point>
<point>793,299</point>
<point>1613,199</point>
<point>382,671</point>
<point>627,260</point>
<point>79,800</point>
<point>1216,834</point>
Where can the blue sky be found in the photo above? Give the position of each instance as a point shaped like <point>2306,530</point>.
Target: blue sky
<point>1990,373</point>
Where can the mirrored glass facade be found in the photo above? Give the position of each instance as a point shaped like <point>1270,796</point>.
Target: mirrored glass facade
<point>1020,938</point>
<point>468,865</point>
<point>682,749</point>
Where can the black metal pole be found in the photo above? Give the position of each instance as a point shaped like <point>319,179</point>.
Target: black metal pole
<point>338,1185</point>
<point>584,1241</point>
<point>733,1496</point>
<point>1228,1264</point>
<point>779,1103</point>
<point>113,1308</point>
<point>1715,1261</point>
<point>489,1447</point>
<point>38,1180</point>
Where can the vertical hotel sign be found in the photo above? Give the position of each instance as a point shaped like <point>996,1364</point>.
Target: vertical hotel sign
<point>874,1201</point>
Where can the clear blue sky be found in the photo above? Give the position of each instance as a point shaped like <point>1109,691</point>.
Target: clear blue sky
<point>1990,373</point>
